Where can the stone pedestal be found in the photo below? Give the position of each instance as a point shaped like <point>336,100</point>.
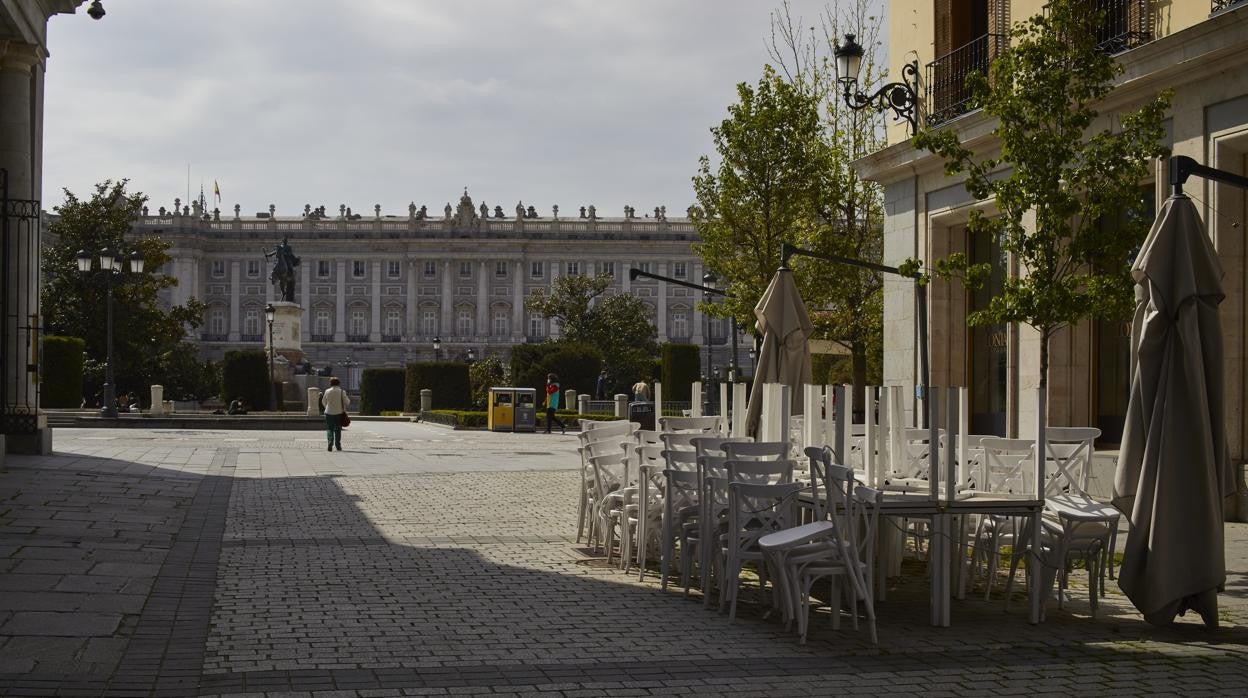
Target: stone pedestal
<point>287,324</point>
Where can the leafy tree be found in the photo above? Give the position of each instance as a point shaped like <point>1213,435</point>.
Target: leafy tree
<point>847,302</point>
<point>145,334</point>
<point>487,373</point>
<point>1042,91</point>
<point>618,325</point>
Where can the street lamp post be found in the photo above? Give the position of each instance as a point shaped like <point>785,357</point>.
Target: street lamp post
<point>472,355</point>
<point>901,97</point>
<point>708,280</point>
<point>437,348</point>
<point>269,313</point>
<point>110,266</point>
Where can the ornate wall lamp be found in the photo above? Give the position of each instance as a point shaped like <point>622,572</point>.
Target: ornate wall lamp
<point>902,97</point>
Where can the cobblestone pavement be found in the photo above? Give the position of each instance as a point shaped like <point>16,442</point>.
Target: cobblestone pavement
<point>422,561</point>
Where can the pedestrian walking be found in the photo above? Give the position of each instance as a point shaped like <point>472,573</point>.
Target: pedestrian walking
<point>334,402</point>
<point>641,391</point>
<point>600,393</point>
<point>552,403</point>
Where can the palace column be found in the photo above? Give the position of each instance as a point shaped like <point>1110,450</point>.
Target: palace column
<point>517,303</point>
<point>660,304</point>
<point>235,293</point>
<point>340,302</point>
<point>410,302</point>
<point>447,300</point>
<point>483,300</point>
<point>374,328</point>
<point>305,299</point>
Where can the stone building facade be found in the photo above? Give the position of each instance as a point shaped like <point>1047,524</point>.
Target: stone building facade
<point>1199,48</point>
<point>377,289</point>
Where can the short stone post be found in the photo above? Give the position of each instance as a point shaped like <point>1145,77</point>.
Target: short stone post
<point>314,401</point>
<point>569,398</point>
<point>582,404</point>
<point>158,400</point>
<point>426,400</point>
<point>621,405</point>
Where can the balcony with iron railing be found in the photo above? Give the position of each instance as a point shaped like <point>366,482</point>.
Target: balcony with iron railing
<point>1219,5</point>
<point>1125,24</point>
<point>322,337</point>
<point>357,338</point>
<point>391,338</point>
<point>214,337</point>
<point>947,95</point>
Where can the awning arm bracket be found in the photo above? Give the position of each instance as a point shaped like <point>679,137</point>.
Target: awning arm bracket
<point>1182,167</point>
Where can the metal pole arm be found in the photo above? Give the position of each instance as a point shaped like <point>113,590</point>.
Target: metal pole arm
<point>787,251</point>
<point>1182,167</point>
<point>634,273</point>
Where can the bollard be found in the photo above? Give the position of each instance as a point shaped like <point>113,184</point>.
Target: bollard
<point>621,406</point>
<point>158,400</point>
<point>314,401</point>
<point>582,404</point>
<point>426,400</point>
<point>569,398</point>
<point>168,406</point>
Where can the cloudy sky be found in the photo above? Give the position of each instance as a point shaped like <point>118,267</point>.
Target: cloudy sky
<point>363,102</point>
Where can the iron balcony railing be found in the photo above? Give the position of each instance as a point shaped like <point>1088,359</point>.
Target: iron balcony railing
<point>1125,24</point>
<point>391,338</point>
<point>251,338</point>
<point>322,337</point>
<point>1219,5</point>
<point>357,338</point>
<point>947,95</point>
<point>213,337</point>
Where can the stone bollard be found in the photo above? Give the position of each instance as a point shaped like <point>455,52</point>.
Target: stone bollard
<point>569,398</point>
<point>426,400</point>
<point>168,406</point>
<point>582,404</point>
<point>314,401</point>
<point>621,405</point>
<point>158,400</point>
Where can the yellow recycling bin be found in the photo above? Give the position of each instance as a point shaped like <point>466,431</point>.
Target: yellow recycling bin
<point>501,416</point>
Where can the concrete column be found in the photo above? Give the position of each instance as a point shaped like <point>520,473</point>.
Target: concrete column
<point>374,329</point>
<point>411,330</point>
<point>621,273</point>
<point>340,302</point>
<point>447,301</point>
<point>17,143</point>
<point>697,317</point>
<point>483,300</point>
<point>517,303</point>
<point>235,293</point>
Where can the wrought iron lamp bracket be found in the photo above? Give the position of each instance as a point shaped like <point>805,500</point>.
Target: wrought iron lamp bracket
<point>902,97</point>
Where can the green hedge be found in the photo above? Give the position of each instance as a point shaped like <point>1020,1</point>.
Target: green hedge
<point>681,367</point>
<point>62,371</point>
<point>245,374</point>
<point>577,366</point>
<point>381,389</point>
<point>447,379</point>
<point>456,418</point>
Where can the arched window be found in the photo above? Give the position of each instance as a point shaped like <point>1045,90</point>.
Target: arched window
<point>501,323</point>
<point>216,321</point>
<point>680,325</point>
<point>359,322</point>
<point>251,322</point>
<point>429,322</point>
<point>324,323</point>
<point>394,324</point>
<point>463,322</point>
<point>537,326</point>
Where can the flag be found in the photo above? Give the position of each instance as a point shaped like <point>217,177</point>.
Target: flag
<point>216,190</point>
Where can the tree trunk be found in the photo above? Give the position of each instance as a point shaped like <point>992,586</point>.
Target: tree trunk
<point>858,358</point>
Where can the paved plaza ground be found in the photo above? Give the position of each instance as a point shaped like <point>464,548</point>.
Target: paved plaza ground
<point>425,561</point>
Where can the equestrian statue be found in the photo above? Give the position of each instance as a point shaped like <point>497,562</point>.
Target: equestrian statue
<point>283,274</point>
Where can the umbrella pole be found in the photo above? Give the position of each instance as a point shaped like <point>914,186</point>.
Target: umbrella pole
<point>920,300</point>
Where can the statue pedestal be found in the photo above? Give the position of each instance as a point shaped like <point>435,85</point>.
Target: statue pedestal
<point>287,326</point>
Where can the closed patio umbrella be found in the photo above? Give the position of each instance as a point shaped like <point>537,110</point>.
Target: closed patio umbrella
<point>785,355</point>
<point>1173,471</point>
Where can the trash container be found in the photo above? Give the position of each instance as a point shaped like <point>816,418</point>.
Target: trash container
<point>643,413</point>
<point>525,413</point>
<point>501,415</point>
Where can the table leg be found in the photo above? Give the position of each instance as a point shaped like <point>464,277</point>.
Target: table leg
<point>1036,568</point>
<point>644,490</point>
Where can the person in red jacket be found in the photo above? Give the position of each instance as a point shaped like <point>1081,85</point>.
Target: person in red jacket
<point>552,403</point>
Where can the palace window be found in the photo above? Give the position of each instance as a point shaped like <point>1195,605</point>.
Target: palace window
<point>573,268</point>
<point>218,268</point>
<point>465,270</point>
<point>429,323</point>
<point>431,269</point>
<point>500,270</point>
<point>679,270</point>
<point>680,325</point>
<point>537,326</point>
<point>608,268</point>
<point>253,268</point>
<point>537,270</point>
<point>359,323</point>
<point>357,269</point>
<point>394,325</point>
<point>501,323</point>
<point>322,269</point>
<point>644,266</point>
<point>251,322</point>
<point>216,322</point>
<point>392,268</point>
<point>463,323</point>
<point>323,323</point>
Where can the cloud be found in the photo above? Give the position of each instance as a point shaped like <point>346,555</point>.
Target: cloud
<point>384,101</point>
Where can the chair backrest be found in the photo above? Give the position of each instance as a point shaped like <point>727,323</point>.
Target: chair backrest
<point>1069,458</point>
<point>714,445</point>
<point>648,437</point>
<point>610,472</point>
<point>915,460</point>
<point>702,425</point>
<point>682,491</point>
<point>865,525</point>
<point>760,472</point>
<point>1009,465</point>
<point>758,450</point>
<point>681,460</point>
<point>679,442</point>
<point>830,483</point>
<point>614,426</point>
<point>756,510</point>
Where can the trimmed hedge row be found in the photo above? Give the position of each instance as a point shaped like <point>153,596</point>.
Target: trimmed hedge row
<point>382,390</point>
<point>681,367</point>
<point>448,380</point>
<point>62,371</point>
<point>245,374</point>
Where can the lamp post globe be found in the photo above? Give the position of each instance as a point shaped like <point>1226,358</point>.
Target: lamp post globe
<point>269,313</point>
<point>848,61</point>
<point>111,271</point>
<point>437,348</point>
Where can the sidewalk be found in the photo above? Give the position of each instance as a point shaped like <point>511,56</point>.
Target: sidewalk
<point>425,561</point>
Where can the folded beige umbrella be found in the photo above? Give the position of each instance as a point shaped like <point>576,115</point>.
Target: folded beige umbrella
<point>1173,471</point>
<point>785,354</point>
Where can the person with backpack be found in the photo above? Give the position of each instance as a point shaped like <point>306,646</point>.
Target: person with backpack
<point>334,404</point>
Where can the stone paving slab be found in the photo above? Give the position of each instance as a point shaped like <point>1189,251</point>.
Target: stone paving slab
<point>422,561</point>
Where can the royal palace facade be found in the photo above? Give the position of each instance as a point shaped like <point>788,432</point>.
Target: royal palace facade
<point>378,289</point>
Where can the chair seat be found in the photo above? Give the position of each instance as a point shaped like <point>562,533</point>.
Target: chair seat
<point>793,537</point>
